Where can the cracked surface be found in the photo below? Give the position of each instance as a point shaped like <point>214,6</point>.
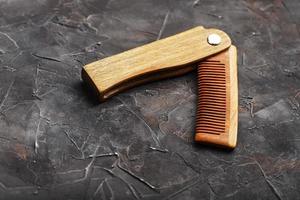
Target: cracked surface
<point>57,142</point>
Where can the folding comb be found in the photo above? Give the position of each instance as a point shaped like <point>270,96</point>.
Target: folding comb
<point>216,64</point>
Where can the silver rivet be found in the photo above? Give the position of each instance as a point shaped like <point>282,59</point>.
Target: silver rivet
<point>214,39</point>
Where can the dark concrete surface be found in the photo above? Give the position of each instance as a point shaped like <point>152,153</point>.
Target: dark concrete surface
<point>57,142</point>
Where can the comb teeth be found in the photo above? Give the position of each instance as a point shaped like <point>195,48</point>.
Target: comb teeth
<point>211,109</point>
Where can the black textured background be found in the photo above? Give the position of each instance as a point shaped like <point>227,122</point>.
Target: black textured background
<point>56,142</point>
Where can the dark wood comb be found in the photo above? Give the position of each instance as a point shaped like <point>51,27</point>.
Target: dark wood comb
<point>173,56</point>
<point>217,109</point>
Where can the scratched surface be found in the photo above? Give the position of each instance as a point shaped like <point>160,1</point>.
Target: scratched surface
<point>57,142</point>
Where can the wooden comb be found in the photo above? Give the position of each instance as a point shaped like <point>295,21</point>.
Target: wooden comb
<point>217,109</point>
<point>173,56</point>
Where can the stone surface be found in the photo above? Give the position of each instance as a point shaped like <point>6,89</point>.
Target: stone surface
<point>57,142</point>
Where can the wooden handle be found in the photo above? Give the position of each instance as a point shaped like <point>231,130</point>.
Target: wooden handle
<point>217,111</point>
<point>161,59</point>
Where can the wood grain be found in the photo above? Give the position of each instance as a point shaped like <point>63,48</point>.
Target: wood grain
<point>160,59</point>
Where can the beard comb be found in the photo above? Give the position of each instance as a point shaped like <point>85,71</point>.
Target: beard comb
<point>207,51</point>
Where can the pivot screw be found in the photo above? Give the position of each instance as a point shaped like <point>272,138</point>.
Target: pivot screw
<point>214,39</point>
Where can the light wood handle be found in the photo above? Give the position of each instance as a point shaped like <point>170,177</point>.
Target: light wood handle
<point>160,59</point>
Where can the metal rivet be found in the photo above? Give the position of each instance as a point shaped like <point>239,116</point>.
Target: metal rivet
<point>214,39</point>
